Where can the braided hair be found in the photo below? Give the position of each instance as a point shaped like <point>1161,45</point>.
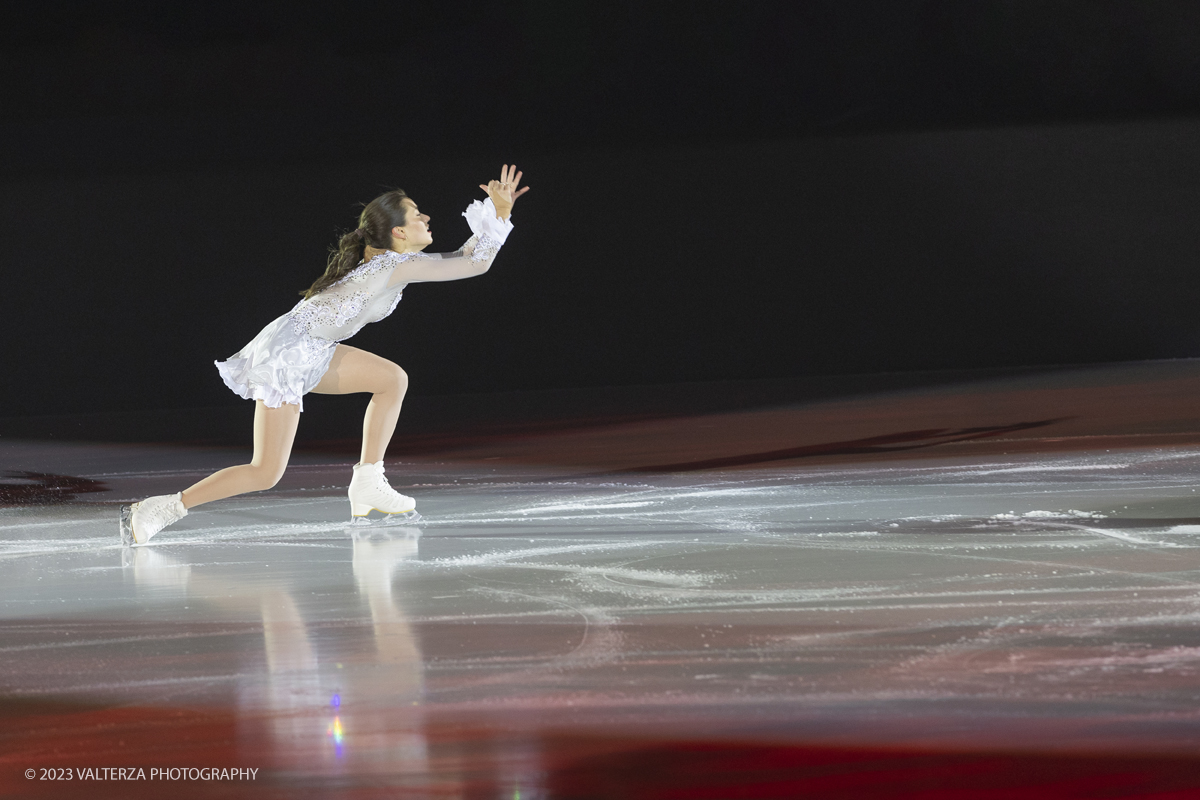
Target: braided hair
<point>374,229</point>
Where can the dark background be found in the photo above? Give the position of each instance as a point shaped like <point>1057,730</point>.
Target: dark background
<point>720,190</point>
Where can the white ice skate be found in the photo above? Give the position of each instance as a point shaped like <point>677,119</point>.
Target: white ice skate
<point>141,521</point>
<point>370,491</point>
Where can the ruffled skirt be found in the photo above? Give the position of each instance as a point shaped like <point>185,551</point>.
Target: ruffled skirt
<point>278,366</point>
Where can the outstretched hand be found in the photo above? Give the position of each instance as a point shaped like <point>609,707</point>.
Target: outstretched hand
<point>504,192</point>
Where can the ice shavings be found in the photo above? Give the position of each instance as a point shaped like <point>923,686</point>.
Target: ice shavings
<point>1043,468</point>
<point>583,506</point>
<point>504,557</point>
<point>658,577</point>
<point>1066,514</point>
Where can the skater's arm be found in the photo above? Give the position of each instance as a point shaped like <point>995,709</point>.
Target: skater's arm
<point>490,223</point>
<point>473,258</point>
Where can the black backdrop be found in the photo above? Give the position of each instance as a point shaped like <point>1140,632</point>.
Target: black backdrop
<point>793,189</point>
<point>761,259</point>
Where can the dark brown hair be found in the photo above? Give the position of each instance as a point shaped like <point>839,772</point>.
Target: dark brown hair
<point>375,225</point>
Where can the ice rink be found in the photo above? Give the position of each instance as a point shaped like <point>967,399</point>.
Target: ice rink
<point>989,582</point>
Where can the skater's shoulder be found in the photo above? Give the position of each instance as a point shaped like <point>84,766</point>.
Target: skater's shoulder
<point>380,262</point>
<point>390,257</point>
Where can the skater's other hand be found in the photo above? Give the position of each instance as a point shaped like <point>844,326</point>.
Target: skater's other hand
<point>504,192</point>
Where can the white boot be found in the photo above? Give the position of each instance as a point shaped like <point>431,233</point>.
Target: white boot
<point>141,521</point>
<point>369,489</point>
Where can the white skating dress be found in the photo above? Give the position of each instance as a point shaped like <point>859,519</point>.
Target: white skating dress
<point>288,358</point>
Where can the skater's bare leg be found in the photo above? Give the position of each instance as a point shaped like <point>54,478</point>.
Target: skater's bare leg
<point>353,370</point>
<point>274,431</point>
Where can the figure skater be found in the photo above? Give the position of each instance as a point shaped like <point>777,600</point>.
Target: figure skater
<point>301,352</point>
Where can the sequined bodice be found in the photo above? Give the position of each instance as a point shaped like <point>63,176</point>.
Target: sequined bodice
<point>361,297</point>
<point>368,293</point>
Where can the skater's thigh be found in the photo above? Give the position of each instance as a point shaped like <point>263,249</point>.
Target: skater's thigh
<point>353,370</point>
<point>274,432</point>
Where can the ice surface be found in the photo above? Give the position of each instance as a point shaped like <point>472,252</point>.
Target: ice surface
<point>923,581</point>
<point>1033,599</point>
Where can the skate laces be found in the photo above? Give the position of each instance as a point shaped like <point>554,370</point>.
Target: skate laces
<point>383,485</point>
<point>163,513</point>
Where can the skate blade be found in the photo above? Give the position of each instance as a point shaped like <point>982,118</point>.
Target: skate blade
<point>384,520</point>
<point>127,526</point>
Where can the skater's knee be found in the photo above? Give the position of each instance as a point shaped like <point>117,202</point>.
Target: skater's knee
<point>394,379</point>
<point>265,476</point>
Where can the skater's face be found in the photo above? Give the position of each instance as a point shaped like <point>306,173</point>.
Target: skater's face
<point>416,234</point>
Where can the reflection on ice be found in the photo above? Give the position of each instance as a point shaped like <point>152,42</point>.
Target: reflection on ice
<point>345,697</point>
